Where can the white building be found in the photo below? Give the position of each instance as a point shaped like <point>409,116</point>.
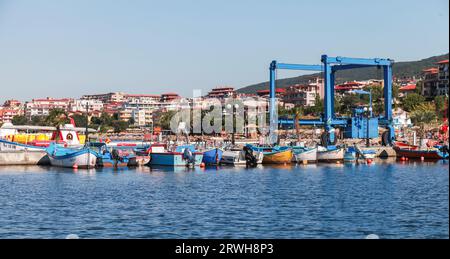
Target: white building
<point>141,117</point>
<point>116,97</point>
<point>42,107</point>
<point>81,105</point>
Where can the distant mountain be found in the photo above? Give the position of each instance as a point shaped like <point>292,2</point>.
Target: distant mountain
<point>400,70</point>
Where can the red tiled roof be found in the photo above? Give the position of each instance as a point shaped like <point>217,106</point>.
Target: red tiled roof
<point>278,90</point>
<point>443,62</point>
<point>345,87</point>
<point>432,70</point>
<point>143,95</point>
<point>408,87</point>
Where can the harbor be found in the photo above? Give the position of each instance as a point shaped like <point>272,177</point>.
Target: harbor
<point>224,121</point>
<point>407,200</point>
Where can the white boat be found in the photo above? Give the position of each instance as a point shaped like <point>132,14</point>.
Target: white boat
<point>71,158</point>
<point>237,158</point>
<point>330,154</point>
<point>366,153</point>
<point>14,146</point>
<point>305,154</point>
<point>23,157</point>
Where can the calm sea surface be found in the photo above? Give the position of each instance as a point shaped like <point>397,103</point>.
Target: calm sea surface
<point>392,200</point>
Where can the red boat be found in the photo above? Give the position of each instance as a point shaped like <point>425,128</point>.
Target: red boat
<point>410,151</point>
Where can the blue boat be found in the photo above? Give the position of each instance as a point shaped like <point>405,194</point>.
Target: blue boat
<point>71,158</point>
<point>350,154</point>
<point>185,155</point>
<point>212,156</point>
<point>107,158</point>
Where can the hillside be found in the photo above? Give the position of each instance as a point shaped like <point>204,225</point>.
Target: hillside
<point>400,69</point>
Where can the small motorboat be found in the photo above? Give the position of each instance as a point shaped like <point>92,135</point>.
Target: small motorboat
<point>238,157</point>
<point>330,154</point>
<point>184,155</point>
<point>114,158</point>
<point>212,156</point>
<point>415,152</point>
<point>71,158</point>
<point>302,154</point>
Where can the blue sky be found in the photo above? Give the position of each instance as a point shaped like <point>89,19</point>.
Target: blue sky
<point>75,47</point>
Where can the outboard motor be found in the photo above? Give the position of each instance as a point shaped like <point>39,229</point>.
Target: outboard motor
<point>250,159</point>
<point>444,149</point>
<point>187,155</point>
<point>115,155</point>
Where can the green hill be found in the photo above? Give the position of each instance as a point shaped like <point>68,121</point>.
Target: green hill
<point>400,70</point>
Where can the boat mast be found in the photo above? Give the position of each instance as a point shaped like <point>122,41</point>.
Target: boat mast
<point>87,124</point>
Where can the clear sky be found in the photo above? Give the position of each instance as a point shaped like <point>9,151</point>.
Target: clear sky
<point>69,48</point>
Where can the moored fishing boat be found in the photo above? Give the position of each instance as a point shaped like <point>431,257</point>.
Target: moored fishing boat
<point>237,157</point>
<point>185,155</point>
<point>14,146</point>
<point>302,154</point>
<point>71,158</point>
<point>414,152</point>
<point>212,156</point>
<point>331,154</point>
<point>114,158</point>
<point>274,155</point>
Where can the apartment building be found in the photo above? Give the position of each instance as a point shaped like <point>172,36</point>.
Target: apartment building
<point>42,107</point>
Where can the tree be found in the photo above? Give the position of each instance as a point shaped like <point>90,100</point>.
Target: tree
<point>423,114</point>
<point>102,123</point>
<point>80,120</point>
<point>164,121</point>
<point>119,126</point>
<point>38,121</point>
<point>317,109</point>
<point>347,102</point>
<point>441,105</point>
<point>419,87</point>
<point>57,117</point>
<point>411,101</point>
<point>20,120</point>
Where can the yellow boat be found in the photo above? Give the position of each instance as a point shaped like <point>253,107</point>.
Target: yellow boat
<point>278,157</point>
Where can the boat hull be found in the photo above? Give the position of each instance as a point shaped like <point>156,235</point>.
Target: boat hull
<point>14,146</point>
<point>278,157</point>
<point>331,155</point>
<point>432,154</point>
<point>213,156</point>
<point>22,157</point>
<point>82,159</point>
<point>306,155</point>
<point>237,158</point>
<point>173,159</point>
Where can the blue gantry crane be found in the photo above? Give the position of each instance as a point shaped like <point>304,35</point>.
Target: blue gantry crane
<point>362,124</point>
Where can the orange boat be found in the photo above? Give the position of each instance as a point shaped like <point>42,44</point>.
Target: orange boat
<point>275,155</point>
<point>278,157</point>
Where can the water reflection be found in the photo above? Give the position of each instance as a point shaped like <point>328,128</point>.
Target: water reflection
<point>391,199</point>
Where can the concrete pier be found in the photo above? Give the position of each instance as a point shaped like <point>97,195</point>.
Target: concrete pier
<point>382,152</point>
<point>23,158</point>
